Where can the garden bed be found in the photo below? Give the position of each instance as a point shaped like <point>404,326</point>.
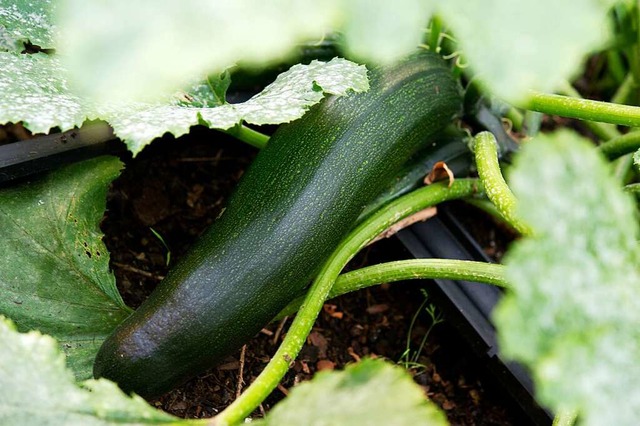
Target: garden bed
<point>177,188</point>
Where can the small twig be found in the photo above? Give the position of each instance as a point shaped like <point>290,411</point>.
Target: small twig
<point>353,354</point>
<point>276,336</point>
<point>241,372</point>
<point>135,270</point>
<point>282,389</point>
<point>267,332</point>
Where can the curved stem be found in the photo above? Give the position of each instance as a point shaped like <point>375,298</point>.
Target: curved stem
<point>248,135</point>
<point>516,118</point>
<point>486,151</point>
<point>584,109</point>
<point>625,144</point>
<point>413,269</point>
<point>301,326</point>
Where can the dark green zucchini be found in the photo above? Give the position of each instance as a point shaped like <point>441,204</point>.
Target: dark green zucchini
<point>298,199</point>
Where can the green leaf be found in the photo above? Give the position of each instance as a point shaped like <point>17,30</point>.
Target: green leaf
<point>207,94</point>
<point>574,313</point>
<point>28,20</point>
<point>34,89</point>
<point>517,46</point>
<point>7,42</point>
<point>54,267</point>
<point>371,392</point>
<point>37,389</point>
<point>385,31</point>
<point>636,159</point>
<point>286,99</point>
<point>169,43</point>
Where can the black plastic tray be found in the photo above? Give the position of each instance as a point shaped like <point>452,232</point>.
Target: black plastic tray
<point>43,153</point>
<point>468,305</point>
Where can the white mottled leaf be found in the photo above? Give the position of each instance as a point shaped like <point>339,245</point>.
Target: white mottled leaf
<point>37,389</point>
<point>122,50</point>
<point>371,392</point>
<point>517,46</point>
<point>34,90</point>
<point>28,20</point>
<point>286,99</point>
<point>573,315</point>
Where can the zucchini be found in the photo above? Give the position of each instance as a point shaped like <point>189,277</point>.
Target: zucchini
<point>298,199</point>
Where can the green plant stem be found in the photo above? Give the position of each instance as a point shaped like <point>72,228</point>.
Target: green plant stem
<point>622,168</point>
<point>602,130</point>
<point>486,152</point>
<point>624,144</point>
<point>516,118</point>
<point>248,135</point>
<point>633,188</point>
<point>624,91</point>
<point>532,121</point>
<point>616,66</point>
<point>565,418</point>
<point>632,51</point>
<point>608,133</point>
<point>434,34</point>
<point>301,326</point>
<point>584,109</point>
<point>414,269</point>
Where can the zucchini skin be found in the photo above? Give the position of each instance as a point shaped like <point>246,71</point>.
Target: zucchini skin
<point>297,200</point>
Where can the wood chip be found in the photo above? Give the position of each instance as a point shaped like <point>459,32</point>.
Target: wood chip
<point>320,342</point>
<point>325,364</point>
<point>241,372</point>
<point>332,311</point>
<point>282,389</point>
<point>378,308</point>
<point>353,355</point>
<point>266,331</point>
<point>276,336</point>
<point>179,406</point>
<point>420,216</point>
<point>448,405</point>
<point>233,365</point>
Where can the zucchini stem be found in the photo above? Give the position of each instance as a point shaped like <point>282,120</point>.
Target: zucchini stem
<point>434,34</point>
<point>601,130</point>
<point>248,135</point>
<point>584,109</point>
<point>405,206</point>
<point>621,145</point>
<point>413,269</point>
<point>486,152</point>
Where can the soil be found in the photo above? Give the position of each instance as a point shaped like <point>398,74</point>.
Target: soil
<point>174,189</point>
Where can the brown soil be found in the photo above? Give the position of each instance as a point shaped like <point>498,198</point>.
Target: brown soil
<point>177,188</point>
